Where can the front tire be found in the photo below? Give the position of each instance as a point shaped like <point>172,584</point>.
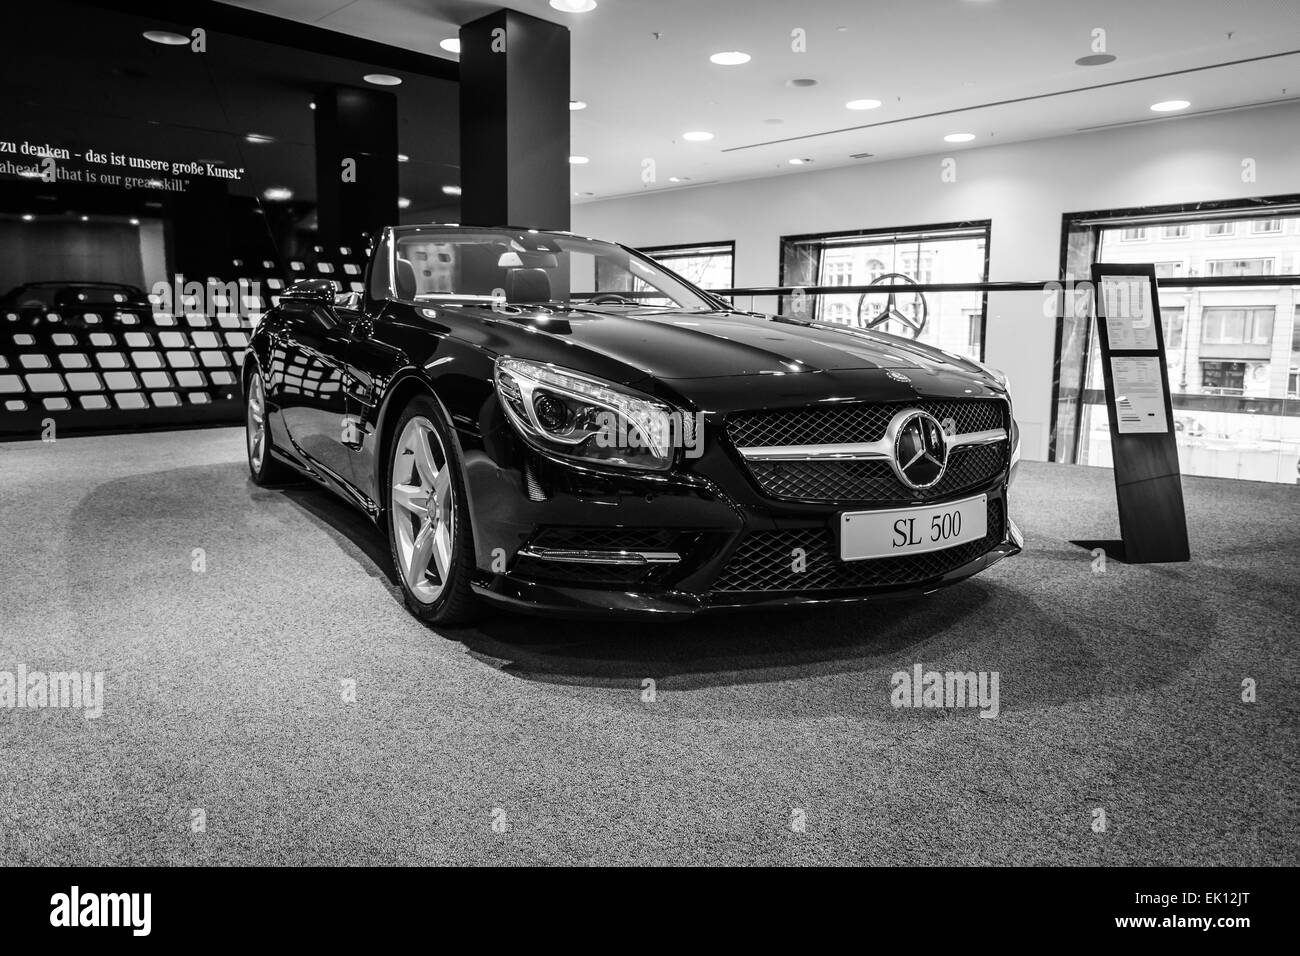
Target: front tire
<point>262,466</point>
<point>429,535</point>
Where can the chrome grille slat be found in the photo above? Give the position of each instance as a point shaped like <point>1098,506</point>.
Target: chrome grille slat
<point>855,422</point>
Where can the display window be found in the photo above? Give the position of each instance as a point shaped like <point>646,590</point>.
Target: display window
<point>1230,322</point>
<point>913,258</point>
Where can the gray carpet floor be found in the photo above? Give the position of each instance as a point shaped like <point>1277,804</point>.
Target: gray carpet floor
<point>224,693</point>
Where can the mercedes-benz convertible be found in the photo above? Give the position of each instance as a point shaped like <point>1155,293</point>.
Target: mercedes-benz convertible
<point>551,423</point>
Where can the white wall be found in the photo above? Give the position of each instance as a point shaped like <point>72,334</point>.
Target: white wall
<point>1024,188</point>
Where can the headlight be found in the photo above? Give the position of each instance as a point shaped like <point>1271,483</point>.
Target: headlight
<point>586,419</point>
<point>1015,452</point>
<point>998,375</point>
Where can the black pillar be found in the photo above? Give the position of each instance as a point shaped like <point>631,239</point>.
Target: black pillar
<point>514,122</point>
<point>359,125</point>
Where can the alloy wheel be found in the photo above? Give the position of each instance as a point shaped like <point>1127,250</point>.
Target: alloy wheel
<point>422,511</point>
<point>256,422</point>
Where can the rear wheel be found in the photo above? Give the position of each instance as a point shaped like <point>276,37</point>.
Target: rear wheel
<point>257,433</point>
<point>428,517</point>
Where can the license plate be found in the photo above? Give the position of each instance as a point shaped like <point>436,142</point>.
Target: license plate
<point>885,534</point>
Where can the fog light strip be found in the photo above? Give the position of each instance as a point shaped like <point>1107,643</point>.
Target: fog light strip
<point>601,557</point>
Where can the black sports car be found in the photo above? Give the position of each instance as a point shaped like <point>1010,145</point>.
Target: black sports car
<point>553,423</point>
<point>35,301</point>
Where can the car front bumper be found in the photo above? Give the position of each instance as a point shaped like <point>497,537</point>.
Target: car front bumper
<point>710,519</point>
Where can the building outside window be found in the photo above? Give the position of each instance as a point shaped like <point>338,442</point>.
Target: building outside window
<point>1179,230</point>
<point>1133,235</point>
<point>1220,326</point>
<point>1238,267</point>
<point>1263,226</point>
<point>1174,321</point>
<point>1218,230</point>
<point>1223,378</point>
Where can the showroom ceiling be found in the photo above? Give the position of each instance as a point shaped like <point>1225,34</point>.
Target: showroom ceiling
<point>1002,70</point>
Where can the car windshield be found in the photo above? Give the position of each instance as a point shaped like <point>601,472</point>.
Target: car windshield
<point>430,264</point>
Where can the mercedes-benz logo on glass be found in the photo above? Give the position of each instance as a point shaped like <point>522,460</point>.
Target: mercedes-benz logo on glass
<point>920,449</point>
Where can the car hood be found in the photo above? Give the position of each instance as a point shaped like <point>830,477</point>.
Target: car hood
<point>680,345</point>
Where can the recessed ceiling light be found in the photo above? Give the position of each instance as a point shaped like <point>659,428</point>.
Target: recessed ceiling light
<point>576,105</point>
<point>801,81</point>
<point>403,158</point>
<point>451,44</point>
<point>85,219</point>
<point>679,179</point>
<point>863,104</point>
<point>584,194</point>
<point>1170,106</point>
<point>311,105</point>
<point>259,138</point>
<point>28,217</point>
<point>1095,59</point>
<point>697,136</point>
<point>959,137</point>
<point>403,202</point>
<point>573,6</point>
<point>800,162</point>
<point>729,58</point>
<point>579,160</point>
<point>383,79</point>
<point>134,222</point>
<point>277,193</point>
<point>451,190</point>
<point>166,37</point>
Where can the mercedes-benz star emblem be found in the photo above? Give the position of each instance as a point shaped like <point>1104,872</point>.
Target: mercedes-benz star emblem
<point>920,448</point>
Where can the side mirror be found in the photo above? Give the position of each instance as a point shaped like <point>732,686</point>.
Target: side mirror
<point>312,290</point>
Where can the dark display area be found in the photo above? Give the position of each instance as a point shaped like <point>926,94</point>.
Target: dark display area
<point>178,175</point>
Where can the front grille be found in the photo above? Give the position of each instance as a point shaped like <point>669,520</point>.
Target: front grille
<point>858,422</point>
<point>765,562</point>
<point>969,467</point>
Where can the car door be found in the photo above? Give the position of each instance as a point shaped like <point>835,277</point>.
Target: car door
<point>312,386</point>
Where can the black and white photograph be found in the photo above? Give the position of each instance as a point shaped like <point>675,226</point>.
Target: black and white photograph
<point>650,433</point>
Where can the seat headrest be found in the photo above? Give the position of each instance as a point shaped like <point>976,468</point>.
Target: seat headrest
<point>405,279</point>
<point>528,285</point>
